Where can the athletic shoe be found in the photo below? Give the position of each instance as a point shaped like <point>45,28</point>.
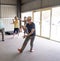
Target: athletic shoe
<point>20,50</point>
<point>31,50</point>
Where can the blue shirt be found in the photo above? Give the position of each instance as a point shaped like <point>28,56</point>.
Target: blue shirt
<point>1,25</point>
<point>30,27</point>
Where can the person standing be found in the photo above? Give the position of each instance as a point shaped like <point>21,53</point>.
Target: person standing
<point>29,36</point>
<point>25,20</point>
<point>16,26</point>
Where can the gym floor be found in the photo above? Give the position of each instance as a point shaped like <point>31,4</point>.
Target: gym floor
<point>44,50</point>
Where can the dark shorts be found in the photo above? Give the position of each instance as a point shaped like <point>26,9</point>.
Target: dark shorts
<point>16,30</point>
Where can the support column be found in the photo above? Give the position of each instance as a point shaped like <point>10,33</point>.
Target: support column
<point>19,10</point>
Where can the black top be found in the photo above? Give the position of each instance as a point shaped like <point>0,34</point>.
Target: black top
<point>30,27</point>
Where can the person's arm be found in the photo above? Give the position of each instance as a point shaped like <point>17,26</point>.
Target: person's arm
<point>24,27</point>
<point>25,30</point>
<point>31,32</point>
<point>12,21</point>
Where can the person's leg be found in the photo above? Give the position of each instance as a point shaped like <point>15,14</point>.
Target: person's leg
<point>31,43</point>
<point>14,32</point>
<point>24,44</point>
<point>3,34</point>
<point>18,31</point>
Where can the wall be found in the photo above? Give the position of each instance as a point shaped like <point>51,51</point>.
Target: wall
<point>0,8</point>
<point>9,2</point>
<point>0,11</point>
<point>8,8</point>
<point>8,12</point>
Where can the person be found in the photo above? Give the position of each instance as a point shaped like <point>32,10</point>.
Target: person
<point>29,36</point>
<point>16,26</point>
<point>25,20</point>
<point>2,29</point>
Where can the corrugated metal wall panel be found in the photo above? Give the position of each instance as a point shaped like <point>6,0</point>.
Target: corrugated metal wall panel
<point>9,1</point>
<point>0,11</point>
<point>8,11</point>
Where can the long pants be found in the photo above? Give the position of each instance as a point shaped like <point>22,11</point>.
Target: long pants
<point>31,38</point>
<point>2,31</point>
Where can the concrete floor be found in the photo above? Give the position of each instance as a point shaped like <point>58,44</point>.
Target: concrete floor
<point>45,50</point>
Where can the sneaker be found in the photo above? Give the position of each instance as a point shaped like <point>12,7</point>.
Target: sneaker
<point>20,50</point>
<point>31,50</point>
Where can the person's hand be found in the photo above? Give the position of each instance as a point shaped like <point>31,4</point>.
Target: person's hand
<point>25,36</point>
<point>13,20</point>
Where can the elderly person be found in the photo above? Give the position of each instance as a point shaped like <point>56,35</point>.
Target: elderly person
<point>29,36</point>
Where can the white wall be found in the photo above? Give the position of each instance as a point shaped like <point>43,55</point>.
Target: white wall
<point>7,22</point>
<point>8,12</point>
